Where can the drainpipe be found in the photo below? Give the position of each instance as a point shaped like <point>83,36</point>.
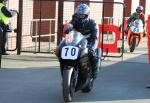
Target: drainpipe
<point>19,27</point>
<point>60,21</point>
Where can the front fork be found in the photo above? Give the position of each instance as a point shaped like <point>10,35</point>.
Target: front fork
<point>73,69</point>
<point>132,36</point>
<point>140,38</point>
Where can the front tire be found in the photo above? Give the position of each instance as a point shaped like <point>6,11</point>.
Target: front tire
<point>68,88</point>
<point>133,45</point>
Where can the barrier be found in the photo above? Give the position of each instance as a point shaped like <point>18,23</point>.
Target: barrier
<point>148,35</point>
<point>112,48</point>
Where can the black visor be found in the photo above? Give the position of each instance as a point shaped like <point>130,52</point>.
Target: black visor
<point>81,16</point>
<point>138,11</point>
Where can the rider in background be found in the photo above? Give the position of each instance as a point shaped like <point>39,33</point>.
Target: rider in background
<point>138,14</point>
<point>87,27</point>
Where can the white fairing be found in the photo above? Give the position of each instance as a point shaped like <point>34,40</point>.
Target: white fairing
<point>71,50</point>
<point>137,26</point>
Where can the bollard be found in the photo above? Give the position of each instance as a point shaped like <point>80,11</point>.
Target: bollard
<point>1,38</point>
<point>148,35</point>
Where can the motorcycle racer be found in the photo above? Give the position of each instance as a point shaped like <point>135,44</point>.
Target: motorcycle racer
<point>138,14</point>
<point>86,26</point>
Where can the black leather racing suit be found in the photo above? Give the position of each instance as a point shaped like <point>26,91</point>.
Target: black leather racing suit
<point>90,29</point>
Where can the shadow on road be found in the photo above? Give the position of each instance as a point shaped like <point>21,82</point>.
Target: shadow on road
<point>119,82</point>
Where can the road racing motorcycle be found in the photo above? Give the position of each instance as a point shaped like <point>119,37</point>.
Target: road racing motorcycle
<point>135,34</point>
<point>75,65</point>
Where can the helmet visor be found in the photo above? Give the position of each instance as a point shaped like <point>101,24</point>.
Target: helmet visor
<point>138,11</point>
<point>81,16</point>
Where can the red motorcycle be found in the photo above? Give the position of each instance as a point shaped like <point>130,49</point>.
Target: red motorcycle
<point>135,34</point>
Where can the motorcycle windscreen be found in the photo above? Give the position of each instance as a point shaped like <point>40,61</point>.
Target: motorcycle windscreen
<point>73,38</point>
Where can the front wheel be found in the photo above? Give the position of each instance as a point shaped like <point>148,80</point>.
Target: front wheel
<point>133,45</point>
<point>68,87</point>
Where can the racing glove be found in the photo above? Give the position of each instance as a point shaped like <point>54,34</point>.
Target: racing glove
<point>68,29</point>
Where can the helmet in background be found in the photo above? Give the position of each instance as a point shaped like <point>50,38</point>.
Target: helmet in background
<point>139,9</point>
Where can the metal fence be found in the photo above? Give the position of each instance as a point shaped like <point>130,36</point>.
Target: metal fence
<point>40,23</point>
<point>43,19</point>
<point>37,28</point>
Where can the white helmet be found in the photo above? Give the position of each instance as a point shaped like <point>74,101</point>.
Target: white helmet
<point>82,9</point>
<point>139,9</point>
<point>82,13</point>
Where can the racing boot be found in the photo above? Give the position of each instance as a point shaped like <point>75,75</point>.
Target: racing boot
<point>95,71</point>
<point>95,68</point>
<point>94,62</point>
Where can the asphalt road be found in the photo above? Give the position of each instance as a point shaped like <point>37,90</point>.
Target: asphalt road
<point>35,78</point>
<point>118,82</point>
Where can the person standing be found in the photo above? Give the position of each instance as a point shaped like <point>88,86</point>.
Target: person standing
<point>5,14</point>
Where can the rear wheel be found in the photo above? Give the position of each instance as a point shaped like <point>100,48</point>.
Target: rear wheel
<point>68,85</point>
<point>89,87</point>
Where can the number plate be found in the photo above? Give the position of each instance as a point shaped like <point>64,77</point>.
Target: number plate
<point>69,52</point>
<point>136,30</point>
